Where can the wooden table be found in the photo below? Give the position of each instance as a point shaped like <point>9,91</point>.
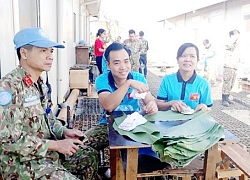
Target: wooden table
<point>118,142</point>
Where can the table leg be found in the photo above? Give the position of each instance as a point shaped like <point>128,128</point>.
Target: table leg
<point>186,178</point>
<point>210,162</point>
<point>226,164</point>
<point>116,167</point>
<point>132,163</point>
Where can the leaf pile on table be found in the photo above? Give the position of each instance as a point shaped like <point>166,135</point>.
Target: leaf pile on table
<point>177,145</point>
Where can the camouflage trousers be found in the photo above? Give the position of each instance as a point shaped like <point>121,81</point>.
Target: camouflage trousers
<point>59,173</point>
<point>83,165</point>
<point>135,62</point>
<point>97,137</point>
<point>229,78</point>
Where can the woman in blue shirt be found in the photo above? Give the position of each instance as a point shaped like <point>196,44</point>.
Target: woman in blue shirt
<point>185,87</point>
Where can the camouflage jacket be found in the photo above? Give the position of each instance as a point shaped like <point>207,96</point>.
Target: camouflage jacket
<point>144,43</point>
<point>232,55</point>
<point>24,133</point>
<point>135,48</point>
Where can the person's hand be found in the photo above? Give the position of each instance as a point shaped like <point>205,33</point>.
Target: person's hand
<point>150,108</point>
<point>67,146</point>
<point>139,86</point>
<point>178,105</point>
<point>202,107</point>
<point>73,134</point>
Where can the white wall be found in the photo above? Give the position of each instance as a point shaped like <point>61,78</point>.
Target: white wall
<point>213,23</point>
<point>48,21</point>
<point>7,30</point>
<point>66,30</point>
<point>27,13</point>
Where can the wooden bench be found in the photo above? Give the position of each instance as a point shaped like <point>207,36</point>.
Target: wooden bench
<point>239,156</point>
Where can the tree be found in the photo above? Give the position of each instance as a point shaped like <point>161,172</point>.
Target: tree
<point>113,28</point>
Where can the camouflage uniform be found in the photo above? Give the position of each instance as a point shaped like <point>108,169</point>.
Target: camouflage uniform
<point>232,61</point>
<point>143,56</point>
<point>24,135</point>
<point>97,137</point>
<point>135,48</point>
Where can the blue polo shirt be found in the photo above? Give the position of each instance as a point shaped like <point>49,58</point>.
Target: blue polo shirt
<point>105,67</point>
<point>192,92</point>
<point>105,83</point>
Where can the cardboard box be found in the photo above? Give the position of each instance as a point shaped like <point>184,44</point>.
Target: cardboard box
<point>82,55</point>
<point>79,79</point>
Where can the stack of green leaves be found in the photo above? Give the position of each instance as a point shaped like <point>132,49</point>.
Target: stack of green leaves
<point>178,145</point>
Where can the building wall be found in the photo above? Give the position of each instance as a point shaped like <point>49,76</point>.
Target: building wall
<point>8,28</point>
<point>213,23</point>
<point>27,10</point>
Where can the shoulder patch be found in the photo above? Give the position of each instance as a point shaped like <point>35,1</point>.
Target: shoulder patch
<point>5,98</point>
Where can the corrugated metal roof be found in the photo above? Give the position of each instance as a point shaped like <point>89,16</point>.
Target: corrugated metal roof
<point>93,7</point>
<point>178,7</point>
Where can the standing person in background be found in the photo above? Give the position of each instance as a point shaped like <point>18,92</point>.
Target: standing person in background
<point>232,61</point>
<point>143,54</point>
<point>135,46</point>
<point>210,64</point>
<point>118,39</point>
<point>99,48</point>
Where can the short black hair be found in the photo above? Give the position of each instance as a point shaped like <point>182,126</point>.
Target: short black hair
<point>141,33</point>
<point>27,46</point>
<point>233,32</point>
<point>183,47</point>
<point>131,31</point>
<point>115,47</point>
<point>206,41</point>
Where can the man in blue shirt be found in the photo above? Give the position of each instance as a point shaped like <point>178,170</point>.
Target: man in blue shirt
<point>114,89</point>
<point>185,88</point>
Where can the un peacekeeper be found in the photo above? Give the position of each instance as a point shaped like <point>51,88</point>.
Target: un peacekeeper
<point>31,140</point>
<point>135,46</point>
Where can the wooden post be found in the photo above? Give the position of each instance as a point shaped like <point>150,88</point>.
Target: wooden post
<point>210,162</point>
<point>186,178</point>
<point>117,172</point>
<point>132,163</point>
